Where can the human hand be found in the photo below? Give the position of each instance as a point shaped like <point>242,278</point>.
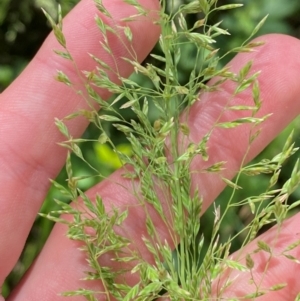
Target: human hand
<point>29,154</point>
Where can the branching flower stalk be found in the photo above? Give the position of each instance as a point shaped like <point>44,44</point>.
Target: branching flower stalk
<point>162,160</point>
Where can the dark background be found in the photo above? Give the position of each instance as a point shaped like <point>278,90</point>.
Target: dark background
<point>23,29</point>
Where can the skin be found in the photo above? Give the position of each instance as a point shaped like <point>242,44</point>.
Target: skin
<point>29,154</point>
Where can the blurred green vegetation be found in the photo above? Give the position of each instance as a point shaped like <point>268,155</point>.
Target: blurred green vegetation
<point>23,28</point>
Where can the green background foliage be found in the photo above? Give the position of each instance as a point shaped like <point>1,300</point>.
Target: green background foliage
<point>23,28</point>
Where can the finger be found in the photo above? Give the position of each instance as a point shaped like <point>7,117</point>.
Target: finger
<point>29,154</point>
<point>279,87</point>
<point>269,270</point>
<point>70,263</point>
<point>279,96</point>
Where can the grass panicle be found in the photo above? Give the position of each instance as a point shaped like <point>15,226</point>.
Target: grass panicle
<point>162,154</point>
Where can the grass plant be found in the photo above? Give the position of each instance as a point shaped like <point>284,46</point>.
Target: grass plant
<point>160,168</point>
